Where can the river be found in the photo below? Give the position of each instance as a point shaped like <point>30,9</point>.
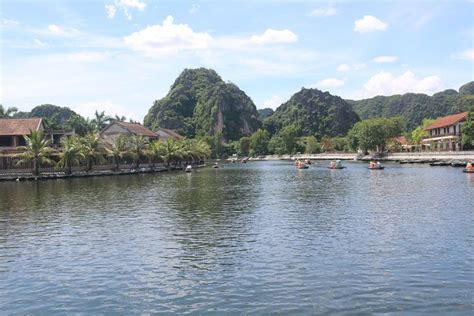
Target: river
<point>259,237</point>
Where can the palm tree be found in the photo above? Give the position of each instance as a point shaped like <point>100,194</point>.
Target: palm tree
<point>137,147</point>
<point>7,112</point>
<point>92,149</point>
<point>156,152</point>
<point>172,151</point>
<point>37,150</point>
<point>70,153</point>
<point>117,150</point>
<point>100,120</point>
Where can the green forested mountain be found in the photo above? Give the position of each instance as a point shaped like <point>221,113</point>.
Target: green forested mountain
<point>414,107</point>
<point>201,103</point>
<point>264,113</point>
<point>315,113</point>
<point>53,115</point>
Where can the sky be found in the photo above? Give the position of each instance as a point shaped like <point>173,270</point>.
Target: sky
<point>118,56</point>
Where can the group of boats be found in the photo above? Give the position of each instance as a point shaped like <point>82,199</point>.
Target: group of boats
<point>336,164</point>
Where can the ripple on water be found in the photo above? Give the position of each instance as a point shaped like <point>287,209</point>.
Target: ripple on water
<point>254,238</point>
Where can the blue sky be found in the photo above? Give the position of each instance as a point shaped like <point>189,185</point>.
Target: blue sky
<point>121,55</point>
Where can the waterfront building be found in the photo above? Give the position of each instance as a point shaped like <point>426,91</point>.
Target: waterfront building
<point>444,134</point>
<point>165,134</point>
<point>117,128</point>
<point>13,130</point>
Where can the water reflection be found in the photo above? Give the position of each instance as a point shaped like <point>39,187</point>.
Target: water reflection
<point>252,238</point>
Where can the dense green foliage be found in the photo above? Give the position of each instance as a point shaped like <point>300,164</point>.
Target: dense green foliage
<point>373,134</point>
<point>315,113</point>
<point>200,103</point>
<point>259,142</point>
<point>7,112</point>
<point>90,150</point>
<point>264,113</point>
<point>467,137</point>
<point>37,151</point>
<point>414,108</point>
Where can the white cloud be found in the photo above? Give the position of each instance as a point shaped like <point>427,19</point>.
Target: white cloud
<point>8,22</point>
<point>368,24</point>
<point>39,44</point>
<point>194,9</point>
<point>56,30</point>
<point>273,102</point>
<point>385,59</point>
<point>167,38</point>
<point>343,68</point>
<point>467,54</point>
<point>322,12</point>
<point>347,68</point>
<point>110,10</point>
<point>384,83</point>
<point>125,6</point>
<point>329,83</point>
<point>271,36</point>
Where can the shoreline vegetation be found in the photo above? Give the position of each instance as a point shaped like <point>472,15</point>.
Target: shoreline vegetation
<point>92,156</point>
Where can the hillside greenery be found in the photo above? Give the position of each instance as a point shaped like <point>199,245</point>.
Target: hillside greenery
<point>415,107</point>
<point>313,113</point>
<point>200,103</point>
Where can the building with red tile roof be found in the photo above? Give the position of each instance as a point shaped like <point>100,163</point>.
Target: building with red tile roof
<point>13,130</point>
<point>444,134</point>
<point>164,134</point>
<point>116,128</point>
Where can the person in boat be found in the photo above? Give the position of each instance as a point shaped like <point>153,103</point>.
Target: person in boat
<point>470,167</point>
<point>338,164</point>
<point>189,168</point>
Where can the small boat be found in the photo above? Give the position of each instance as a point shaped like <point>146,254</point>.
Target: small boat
<point>244,160</point>
<point>375,166</point>
<point>307,161</point>
<point>469,168</point>
<point>216,166</point>
<point>301,165</point>
<point>188,169</point>
<point>336,165</point>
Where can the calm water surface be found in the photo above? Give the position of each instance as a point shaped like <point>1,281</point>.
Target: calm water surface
<point>255,238</point>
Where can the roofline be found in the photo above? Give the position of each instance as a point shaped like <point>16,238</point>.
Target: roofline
<point>465,114</point>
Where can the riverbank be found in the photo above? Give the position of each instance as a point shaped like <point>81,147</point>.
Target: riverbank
<point>21,176</point>
<point>461,157</point>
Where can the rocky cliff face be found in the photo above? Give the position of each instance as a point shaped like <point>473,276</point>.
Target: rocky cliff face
<point>201,103</point>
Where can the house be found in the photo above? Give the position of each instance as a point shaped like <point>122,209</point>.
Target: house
<point>444,134</point>
<point>165,134</point>
<point>117,128</point>
<point>12,131</point>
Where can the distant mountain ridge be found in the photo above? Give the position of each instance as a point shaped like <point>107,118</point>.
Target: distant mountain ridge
<point>414,107</point>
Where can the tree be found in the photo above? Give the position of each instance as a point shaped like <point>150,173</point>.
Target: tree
<point>156,151</point>
<point>373,134</point>
<point>420,132</point>
<point>70,154</point>
<point>467,136</point>
<point>80,125</point>
<point>100,121</point>
<point>326,144</point>
<point>137,148</point>
<point>92,149</point>
<point>259,142</point>
<point>7,112</point>
<point>172,151</point>
<point>37,150</point>
<point>117,150</point>
<point>289,137</point>
<point>244,145</point>
<point>311,145</point>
